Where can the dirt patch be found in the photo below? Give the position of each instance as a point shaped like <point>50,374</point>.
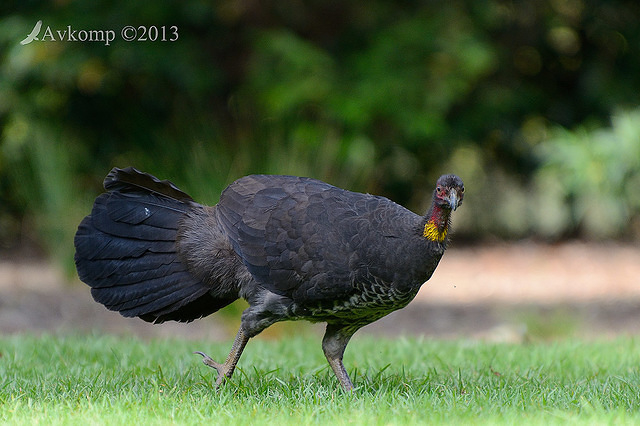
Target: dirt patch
<point>534,273</point>
<point>503,292</point>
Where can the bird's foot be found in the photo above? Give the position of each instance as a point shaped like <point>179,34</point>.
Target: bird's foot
<point>222,369</point>
<point>225,371</point>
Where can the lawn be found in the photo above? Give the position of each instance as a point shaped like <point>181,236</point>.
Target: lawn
<point>95,379</point>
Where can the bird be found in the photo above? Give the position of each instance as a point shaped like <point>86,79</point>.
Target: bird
<point>33,35</point>
<point>295,248</point>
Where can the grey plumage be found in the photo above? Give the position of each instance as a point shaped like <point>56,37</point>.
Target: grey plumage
<point>294,248</point>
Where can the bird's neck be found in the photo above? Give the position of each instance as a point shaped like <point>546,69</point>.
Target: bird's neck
<point>436,224</point>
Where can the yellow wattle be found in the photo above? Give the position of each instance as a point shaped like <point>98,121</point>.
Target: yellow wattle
<point>432,232</point>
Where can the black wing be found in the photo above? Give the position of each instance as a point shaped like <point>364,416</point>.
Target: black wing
<point>310,240</point>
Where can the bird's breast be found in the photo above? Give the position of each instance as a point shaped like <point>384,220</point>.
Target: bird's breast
<point>367,304</point>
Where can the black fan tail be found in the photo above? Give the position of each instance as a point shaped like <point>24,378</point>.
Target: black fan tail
<point>126,251</point>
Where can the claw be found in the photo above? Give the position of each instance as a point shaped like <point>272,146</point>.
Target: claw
<point>225,371</point>
<point>221,369</point>
<point>207,360</point>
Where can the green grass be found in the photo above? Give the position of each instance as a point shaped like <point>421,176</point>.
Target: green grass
<point>114,380</point>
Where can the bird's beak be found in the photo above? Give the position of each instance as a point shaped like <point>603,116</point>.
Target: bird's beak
<point>454,202</point>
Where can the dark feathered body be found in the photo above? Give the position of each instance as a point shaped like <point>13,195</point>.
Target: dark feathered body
<point>329,254</point>
<point>294,248</point>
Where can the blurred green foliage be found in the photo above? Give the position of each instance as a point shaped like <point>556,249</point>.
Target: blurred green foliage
<point>379,96</point>
<point>592,177</point>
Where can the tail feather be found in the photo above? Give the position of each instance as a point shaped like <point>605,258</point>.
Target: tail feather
<point>149,209</point>
<point>197,308</point>
<point>96,245</point>
<point>102,218</point>
<point>133,277</point>
<point>145,296</point>
<point>117,268</point>
<point>132,180</point>
<point>160,304</point>
<point>126,251</point>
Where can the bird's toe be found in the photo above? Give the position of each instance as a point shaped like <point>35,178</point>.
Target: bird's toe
<point>207,360</point>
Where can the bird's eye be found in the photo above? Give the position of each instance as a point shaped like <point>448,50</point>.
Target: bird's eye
<point>462,190</point>
<point>439,189</point>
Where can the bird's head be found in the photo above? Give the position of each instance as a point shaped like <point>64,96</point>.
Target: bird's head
<point>447,196</point>
<point>449,192</point>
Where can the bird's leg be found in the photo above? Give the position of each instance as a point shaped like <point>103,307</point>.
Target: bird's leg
<point>333,344</point>
<point>225,371</point>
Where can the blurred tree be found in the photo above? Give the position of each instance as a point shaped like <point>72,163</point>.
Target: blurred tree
<point>379,97</point>
<point>592,176</point>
